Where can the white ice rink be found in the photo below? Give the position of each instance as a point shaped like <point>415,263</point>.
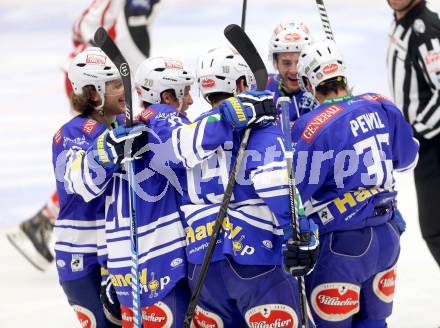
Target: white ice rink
<point>35,40</point>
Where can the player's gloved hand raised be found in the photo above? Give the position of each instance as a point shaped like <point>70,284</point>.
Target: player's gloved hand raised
<point>300,255</point>
<point>123,143</point>
<point>248,107</point>
<point>109,299</point>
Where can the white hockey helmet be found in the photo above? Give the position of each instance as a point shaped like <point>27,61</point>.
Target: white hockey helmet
<point>157,74</point>
<point>288,37</point>
<point>319,62</point>
<point>92,67</point>
<point>219,69</point>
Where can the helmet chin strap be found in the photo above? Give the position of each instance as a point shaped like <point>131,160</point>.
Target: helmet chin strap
<point>100,108</point>
<point>180,105</point>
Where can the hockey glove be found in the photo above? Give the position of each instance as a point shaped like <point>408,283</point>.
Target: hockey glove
<point>300,255</point>
<point>109,299</point>
<point>248,107</point>
<point>123,143</point>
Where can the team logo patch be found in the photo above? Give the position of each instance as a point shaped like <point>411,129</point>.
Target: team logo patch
<point>57,137</point>
<point>85,316</point>
<point>419,26</point>
<point>169,63</point>
<point>61,263</point>
<point>176,262</point>
<point>148,113</point>
<point>271,316</point>
<point>432,61</point>
<point>268,243</point>
<point>158,315</point>
<point>77,262</point>
<point>95,59</point>
<point>292,37</point>
<point>319,121</point>
<point>207,83</point>
<point>124,69</point>
<point>431,57</point>
<point>89,126</point>
<point>206,319</point>
<point>326,216</point>
<point>335,301</point>
<point>384,284</point>
<point>329,69</point>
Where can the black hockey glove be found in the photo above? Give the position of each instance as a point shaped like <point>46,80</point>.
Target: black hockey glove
<point>300,256</point>
<point>248,107</point>
<point>123,143</point>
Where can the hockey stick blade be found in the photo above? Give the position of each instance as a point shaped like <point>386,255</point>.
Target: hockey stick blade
<point>104,41</point>
<point>241,42</point>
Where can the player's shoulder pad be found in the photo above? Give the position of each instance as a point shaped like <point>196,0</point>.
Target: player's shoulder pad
<point>378,98</point>
<point>375,97</point>
<point>212,111</point>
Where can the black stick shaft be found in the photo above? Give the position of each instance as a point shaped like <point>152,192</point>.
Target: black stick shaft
<point>243,15</point>
<point>324,20</point>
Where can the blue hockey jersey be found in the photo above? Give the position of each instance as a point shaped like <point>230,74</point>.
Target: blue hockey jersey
<point>252,232</point>
<point>346,151</point>
<point>161,236</point>
<point>76,228</point>
<point>159,174</point>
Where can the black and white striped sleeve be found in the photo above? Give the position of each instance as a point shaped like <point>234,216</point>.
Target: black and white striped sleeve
<point>428,119</point>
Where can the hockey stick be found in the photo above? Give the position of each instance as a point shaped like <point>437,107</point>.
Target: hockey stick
<point>324,20</point>
<point>241,42</point>
<point>284,103</point>
<point>103,40</point>
<point>243,14</point>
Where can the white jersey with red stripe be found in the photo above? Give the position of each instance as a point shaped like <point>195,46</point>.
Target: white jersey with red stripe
<point>126,22</point>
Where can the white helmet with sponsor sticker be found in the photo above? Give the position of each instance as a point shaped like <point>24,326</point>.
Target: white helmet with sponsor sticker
<point>158,74</point>
<point>92,67</point>
<point>288,37</point>
<point>219,69</point>
<point>320,62</point>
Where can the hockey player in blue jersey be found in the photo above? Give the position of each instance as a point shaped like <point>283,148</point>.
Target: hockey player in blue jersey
<point>345,154</point>
<point>246,285</point>
<point>98,97</point>
<point>285,45</point>
<point>163,86</point>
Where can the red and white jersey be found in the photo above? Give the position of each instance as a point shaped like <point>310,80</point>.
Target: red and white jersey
<point>126,21</point>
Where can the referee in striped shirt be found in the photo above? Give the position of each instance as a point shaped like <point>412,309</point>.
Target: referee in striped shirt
<point>413,62</point>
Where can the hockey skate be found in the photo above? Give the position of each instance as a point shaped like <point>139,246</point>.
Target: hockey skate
<point>31,239</point>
